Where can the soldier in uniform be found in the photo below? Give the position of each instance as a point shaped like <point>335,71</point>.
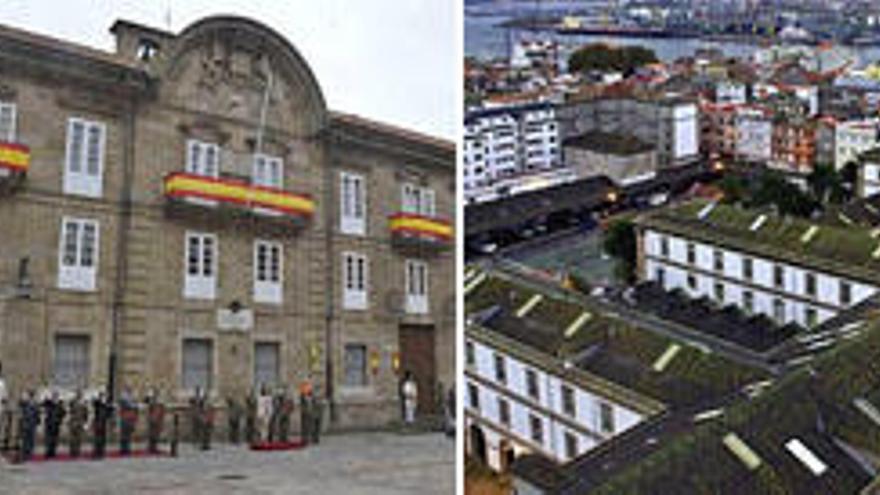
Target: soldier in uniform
<point>317,417</point>
<point>206,411</point>
<point>305,410</point>
<point>79,414</point>
<point>410,398</point>
<point>233,417</point>
<point>264,410</point>
<point>29,419</point>
<point>286,405</point>
<point>102,410</point>
<point>54,414</point>
<point>275,417</point>
<point>250,429</point>
<point>155,420</point>
<point>195,416</point>
<point>5,424</point>
<point>128,416</point>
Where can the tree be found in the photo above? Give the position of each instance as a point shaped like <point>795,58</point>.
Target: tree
<point>620,242</point>
<point>826,184</point>
<point>734,187</point>
<point>773,189</point>
<point>603,58</point>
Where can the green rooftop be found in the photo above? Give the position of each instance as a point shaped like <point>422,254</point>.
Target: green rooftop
<point>814,406</point>
<point>850,251</point>
<point>557,330</point>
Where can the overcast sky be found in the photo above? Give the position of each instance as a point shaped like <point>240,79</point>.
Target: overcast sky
<point>389,60</point>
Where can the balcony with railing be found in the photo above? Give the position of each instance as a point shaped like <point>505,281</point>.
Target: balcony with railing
<point>15,159</point>
<point>411,229</point>
<point>234,189</point>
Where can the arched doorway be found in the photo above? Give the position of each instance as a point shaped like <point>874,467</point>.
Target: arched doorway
<point>478,443</point>
<point>506,455</point>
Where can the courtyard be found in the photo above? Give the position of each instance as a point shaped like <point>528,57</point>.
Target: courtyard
<point>362,463</point>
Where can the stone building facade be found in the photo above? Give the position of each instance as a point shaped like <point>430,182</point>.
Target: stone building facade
<point>187,212</point>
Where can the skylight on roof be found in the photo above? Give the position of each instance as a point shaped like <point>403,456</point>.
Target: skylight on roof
<point>806,456</point>
<point>868,409</point>
<point>758,223</point>
<point>706,210</point>
<point>668,355</point>
<point>529,305</point>
<point>809,234</point>
<point>742,451</point>
<point>577,324</point>
<point>474,283</point>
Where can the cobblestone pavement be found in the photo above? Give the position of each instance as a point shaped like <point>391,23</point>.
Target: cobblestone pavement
<point>363,464</point>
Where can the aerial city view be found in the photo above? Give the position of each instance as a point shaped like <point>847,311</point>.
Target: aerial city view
<point>672,247</point>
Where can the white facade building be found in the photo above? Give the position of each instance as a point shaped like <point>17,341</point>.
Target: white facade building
<point>869,174</point>
<point>853,138</point>
<point>730,92</point>
<point>502,142</point>
<point>754,131</point>
<point>524,409</point>
<point>721,269</point>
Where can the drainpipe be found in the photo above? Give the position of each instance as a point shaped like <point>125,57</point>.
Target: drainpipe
<point>330,287</point>
<point>122,230</point>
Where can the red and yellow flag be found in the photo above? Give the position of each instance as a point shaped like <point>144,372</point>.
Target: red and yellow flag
<point>13,156</point>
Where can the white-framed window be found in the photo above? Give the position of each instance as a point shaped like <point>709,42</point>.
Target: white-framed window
<point>197,364</point>
<point>70,361</point>
<point>606,417</point>
<point>473,396</point>
<point>355,279</point>
<point>267,357</point>
<point>416,283</point>
<point>268,171</point>
<point>418,200</point>
<point>569,404</point>
<point>7,122</point>
<point>536,428</point>
<point>355,361</point>
<point>202,158</point>
<point>268,269</point>
<point>78,254</point>
<point>353,207</point>
<point>84,163</point>
<point>571,445</point>
<point>200,266</point>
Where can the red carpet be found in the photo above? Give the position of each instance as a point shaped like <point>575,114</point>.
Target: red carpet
<point>274,446</point>
<point>86,455</point>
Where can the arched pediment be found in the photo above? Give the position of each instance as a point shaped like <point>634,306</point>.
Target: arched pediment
<point>227,65</point>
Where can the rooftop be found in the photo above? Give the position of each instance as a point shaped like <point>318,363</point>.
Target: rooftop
<point>850,251</point>
<point>821,408</point>
<point>559,327</point>
<point>609,143</point>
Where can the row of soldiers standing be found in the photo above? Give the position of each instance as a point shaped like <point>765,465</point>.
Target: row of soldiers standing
<point>52,411</point>
<point>267,419</point>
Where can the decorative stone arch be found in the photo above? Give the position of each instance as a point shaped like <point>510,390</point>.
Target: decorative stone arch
<point>224,64</point>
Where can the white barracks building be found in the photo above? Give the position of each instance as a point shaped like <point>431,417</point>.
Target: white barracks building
<point>792,270</point>
<point>551,377</point>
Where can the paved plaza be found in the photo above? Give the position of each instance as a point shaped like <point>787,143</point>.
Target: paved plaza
<point>361,463</point>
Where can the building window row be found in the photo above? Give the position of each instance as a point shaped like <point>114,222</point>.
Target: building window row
<point>79,251</point>
<point>748,273</point>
